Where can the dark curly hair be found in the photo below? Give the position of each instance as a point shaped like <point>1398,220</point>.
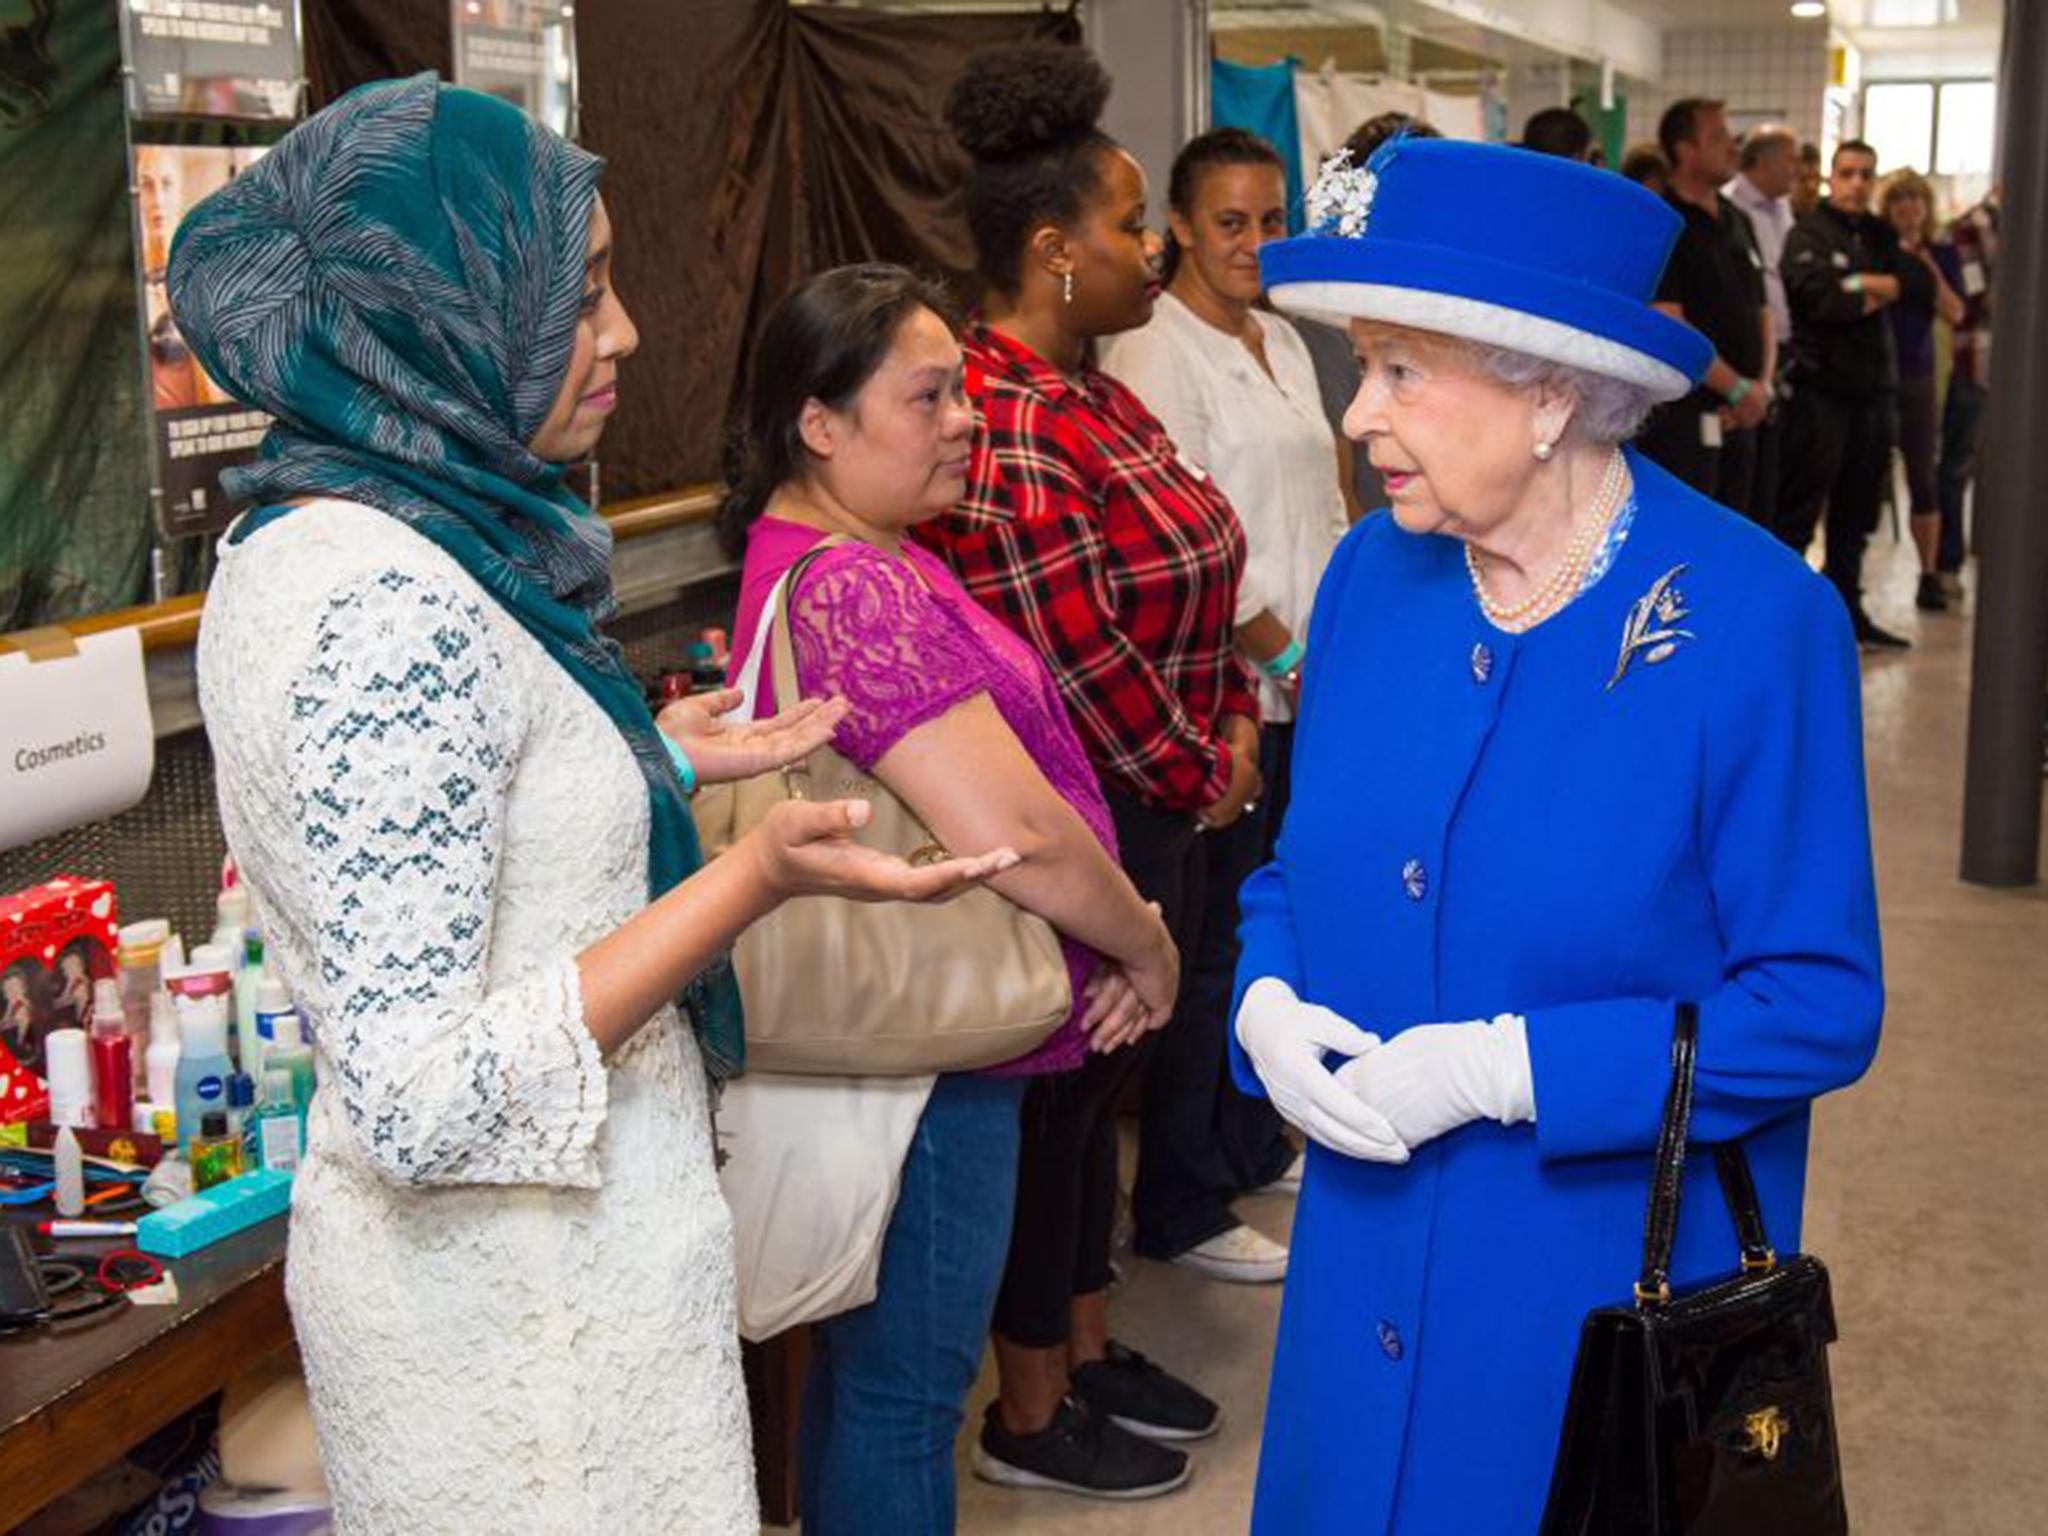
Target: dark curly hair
<point>1026,115</point>
<point>1203,153</point>
<point>822,341</point>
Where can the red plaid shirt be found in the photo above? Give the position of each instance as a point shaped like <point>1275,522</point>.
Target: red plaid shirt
<point>1088,535</point>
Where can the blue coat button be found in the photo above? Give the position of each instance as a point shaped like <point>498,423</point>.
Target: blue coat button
<point>1415,880</point>
<point>1482,663</point>
<point>1390,1340</point>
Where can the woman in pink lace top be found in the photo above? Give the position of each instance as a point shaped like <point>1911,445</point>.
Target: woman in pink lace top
<point>857,424</point>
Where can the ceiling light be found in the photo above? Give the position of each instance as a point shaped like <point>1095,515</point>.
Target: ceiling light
<point>1807,10</point>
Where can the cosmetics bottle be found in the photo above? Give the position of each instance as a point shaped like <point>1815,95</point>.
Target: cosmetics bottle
<point>70,1170</point>
<point>203,1065</point>
<point>216,1155</point>
<point>67,1066</point>
<point>113,1063</point>
<point>290,1052</point>
<point>272,1003</point>
<point>140,963</point>
<point>280,1135</point>
<point>160,1061</point>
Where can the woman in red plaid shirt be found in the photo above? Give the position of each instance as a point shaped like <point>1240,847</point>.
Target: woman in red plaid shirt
<point>1085,532</point>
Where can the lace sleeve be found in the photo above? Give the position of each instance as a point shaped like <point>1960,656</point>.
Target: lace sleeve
<point>865,627</point>
<point>404,731</point>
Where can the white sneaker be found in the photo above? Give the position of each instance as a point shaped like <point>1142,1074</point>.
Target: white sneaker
<point>1243,1255</point>
<point>1289,1183</point>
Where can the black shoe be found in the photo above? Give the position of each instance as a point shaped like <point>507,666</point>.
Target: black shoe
<point>1872,637</point>
<point>1932,597</point>
<point>1078,1452</point>
<point>1133,1393</point>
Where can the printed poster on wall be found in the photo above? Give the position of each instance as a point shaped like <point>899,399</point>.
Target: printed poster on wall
<point>198,428</point>
<point>214,58</point>
<point>521,51</point>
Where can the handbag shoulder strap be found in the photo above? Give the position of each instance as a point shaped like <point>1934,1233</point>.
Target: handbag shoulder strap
<point>775,621</point>
<point>1738,1189</point>
<point>1667,1174</point>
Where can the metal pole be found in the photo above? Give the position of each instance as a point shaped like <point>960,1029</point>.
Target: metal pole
<point>2009,671</point>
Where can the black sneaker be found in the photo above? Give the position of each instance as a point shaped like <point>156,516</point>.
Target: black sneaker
<point>1133,1393</point>
<point>1931,597</point>
<point>1873,637</point>
<point>1078,1452</point>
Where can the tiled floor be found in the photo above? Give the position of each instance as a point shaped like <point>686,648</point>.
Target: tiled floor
<point>1926,1197</point>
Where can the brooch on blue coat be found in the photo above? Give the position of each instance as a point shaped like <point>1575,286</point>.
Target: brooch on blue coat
<point>1651,631</point>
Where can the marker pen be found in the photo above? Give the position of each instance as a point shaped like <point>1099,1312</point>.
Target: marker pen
<point>86,1228</point>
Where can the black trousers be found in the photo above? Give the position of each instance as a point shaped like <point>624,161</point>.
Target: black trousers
<point>1735,474</point>
<point>1067,1166</point>
<point>1671,438</point>
<point>1202,1142</point>
<point>1835,457</point>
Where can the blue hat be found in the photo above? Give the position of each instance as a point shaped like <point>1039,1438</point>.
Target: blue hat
<point>1501,246</point>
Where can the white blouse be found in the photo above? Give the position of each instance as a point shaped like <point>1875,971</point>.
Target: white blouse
<point>510,1266</point>
<point>1265,441</point>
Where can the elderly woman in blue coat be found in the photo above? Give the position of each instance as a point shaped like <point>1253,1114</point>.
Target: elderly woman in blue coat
<point>1575,744</point>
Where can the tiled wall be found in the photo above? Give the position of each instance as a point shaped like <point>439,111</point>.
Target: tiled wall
<point>1780,72</point>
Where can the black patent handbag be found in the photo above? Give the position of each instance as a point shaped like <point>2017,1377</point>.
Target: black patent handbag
<point>1706,1413</point>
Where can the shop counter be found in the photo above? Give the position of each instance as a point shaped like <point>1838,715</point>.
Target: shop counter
<point>74,1399</point>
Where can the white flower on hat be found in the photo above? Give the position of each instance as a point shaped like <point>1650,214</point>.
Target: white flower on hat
<point>1340,202</point>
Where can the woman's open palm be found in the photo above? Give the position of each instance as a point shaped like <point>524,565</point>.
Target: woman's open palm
<point>723,750</point>
<point>806,848</point>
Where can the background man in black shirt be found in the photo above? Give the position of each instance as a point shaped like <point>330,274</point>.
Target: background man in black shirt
<point>1842,267</point>
<point>1714,282</point>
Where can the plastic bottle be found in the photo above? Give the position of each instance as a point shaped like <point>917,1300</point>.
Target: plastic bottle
<point>294,1057</point>
<point>215,1153</point>
<point>141,967</point>
<point>70,1168</point>
<point>241,1103</point>
<point>273,1001</point>
<point>279,1133</point>
<point>160,1065</point>
<point>203,1064</point>
<point>67,1065</point>
<point>113,1063</point>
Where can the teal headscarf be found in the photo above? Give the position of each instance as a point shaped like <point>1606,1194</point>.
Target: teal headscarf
<point>399,283</point>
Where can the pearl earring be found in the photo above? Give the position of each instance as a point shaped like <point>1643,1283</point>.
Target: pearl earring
<point>1543,452</point>
<point>1067,287</point>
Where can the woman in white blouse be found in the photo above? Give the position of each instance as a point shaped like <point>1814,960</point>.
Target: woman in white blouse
<point>510,1270</point>
<point>1235,388</point>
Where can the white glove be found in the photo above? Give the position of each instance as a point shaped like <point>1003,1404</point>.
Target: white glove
<point>1436,1077</point>
<point>1285,1039</point>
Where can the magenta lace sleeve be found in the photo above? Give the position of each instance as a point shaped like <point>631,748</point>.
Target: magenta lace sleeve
<point>866,628</point>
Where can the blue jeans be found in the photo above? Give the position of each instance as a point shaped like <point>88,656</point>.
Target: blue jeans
<point>883,1403</point>
<point>1958,465</point>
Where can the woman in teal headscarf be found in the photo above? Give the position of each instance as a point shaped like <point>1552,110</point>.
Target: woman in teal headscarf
<point>510,1267</point>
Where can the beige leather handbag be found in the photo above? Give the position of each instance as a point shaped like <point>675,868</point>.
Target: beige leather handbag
<point>869,989</point>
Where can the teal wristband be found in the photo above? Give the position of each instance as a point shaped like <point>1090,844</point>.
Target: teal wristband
<point>1279,666</point>
<point>684,769</point>
<point>1734,396</point>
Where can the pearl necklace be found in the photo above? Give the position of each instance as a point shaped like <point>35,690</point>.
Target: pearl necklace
<point>1571,569</point>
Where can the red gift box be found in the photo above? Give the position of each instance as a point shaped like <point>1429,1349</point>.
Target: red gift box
<point>56,940</point>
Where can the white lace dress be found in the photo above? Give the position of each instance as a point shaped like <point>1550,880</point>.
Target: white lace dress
<point>510,1267</point>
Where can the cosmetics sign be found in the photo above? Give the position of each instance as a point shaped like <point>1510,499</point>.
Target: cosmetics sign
<point>77,742</point>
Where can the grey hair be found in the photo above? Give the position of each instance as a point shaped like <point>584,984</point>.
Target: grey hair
<point>1606,410</point>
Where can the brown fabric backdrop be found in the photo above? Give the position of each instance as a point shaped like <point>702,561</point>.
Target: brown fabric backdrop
<point>750,144</point>
<point>771,144</point>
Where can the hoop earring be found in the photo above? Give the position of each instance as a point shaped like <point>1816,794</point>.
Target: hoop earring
<point>1543,452</point>
<point>1067,287</point>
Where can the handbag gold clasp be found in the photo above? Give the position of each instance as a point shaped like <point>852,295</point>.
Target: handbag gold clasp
<point>1760,1266</point>
<point>1765,1432</point>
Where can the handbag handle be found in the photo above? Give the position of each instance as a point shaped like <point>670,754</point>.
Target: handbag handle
<point>1738,1189</point>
